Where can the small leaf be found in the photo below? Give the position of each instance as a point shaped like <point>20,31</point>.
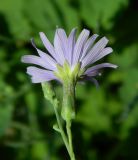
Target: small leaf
<point>56,128</point>
<point>49,93</point>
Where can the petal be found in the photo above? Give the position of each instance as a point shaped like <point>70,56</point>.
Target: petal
<point>95,82</point>
<point>71,44</point>
<point>47,44</point>
<point>92,73</point>
<point>92,80</point>
<point>36,60</point>
<point>48,59</point>
<point>100,66</point>
<point>88,45</point>
<point>103,53</point>
<point>64,41</point>
<point>59,48</point>
<point>94,51</point>
<point>40,75</point>
<point>79,45</point>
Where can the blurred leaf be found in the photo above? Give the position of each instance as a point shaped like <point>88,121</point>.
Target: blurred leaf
<point>31,101</point>
<point>6,107</point>
<point>68,14</point>
<point>130,122</point>
<point>100,13</point>
<point>127,58</point>
<point>4,66</point>
<point>16,20</point>
<point>40,151</point>
<point>5,118</point>
<point>130,86</point>
<point>92,113</point>
<point>45,17</point>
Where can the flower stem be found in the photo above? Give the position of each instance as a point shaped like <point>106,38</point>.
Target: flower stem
<point>61,129</point>
<point>68,111</point>
<point>68,127</point>
<point>50,95</point>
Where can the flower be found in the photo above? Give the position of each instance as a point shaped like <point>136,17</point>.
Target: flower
<point>68,57</point>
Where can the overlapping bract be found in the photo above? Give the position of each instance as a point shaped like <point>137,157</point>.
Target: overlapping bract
<point>84,50</point>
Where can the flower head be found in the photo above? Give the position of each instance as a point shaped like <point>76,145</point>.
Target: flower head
<point>68,57</point>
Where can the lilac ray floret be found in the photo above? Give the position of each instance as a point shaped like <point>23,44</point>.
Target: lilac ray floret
<point>48,59</point>
<point>102,54</point>
<point>63,40</point>
<point>48,45</point>
<point>59,49</point>
<point>99,66</point>
<point>88,45</point>
<point>92,73</point>
<point>79,45</point>
<point>71,45</point>
<point>93,80</point>
<point>94,51</point>
<point>37,61</point>
<point>40,75</point>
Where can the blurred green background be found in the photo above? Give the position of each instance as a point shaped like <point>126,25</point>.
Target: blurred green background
<point>106,127</point>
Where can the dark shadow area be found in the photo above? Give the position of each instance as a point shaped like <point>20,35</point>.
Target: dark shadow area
<point>126,24</point>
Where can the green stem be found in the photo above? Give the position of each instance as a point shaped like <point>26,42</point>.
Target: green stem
<point>68,111</point>
<point>50,95</point>
<point>68,127</point>
<point>61,129</point>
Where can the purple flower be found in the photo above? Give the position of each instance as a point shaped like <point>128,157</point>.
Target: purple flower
<point>68,57</point>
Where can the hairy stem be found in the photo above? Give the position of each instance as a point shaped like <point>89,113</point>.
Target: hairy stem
<point>68,111</point>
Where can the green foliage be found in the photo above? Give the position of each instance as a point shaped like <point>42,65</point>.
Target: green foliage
<point>106,124</point>
<point>100,13</point>
<point>92,110</point>
<point>15,18</point>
